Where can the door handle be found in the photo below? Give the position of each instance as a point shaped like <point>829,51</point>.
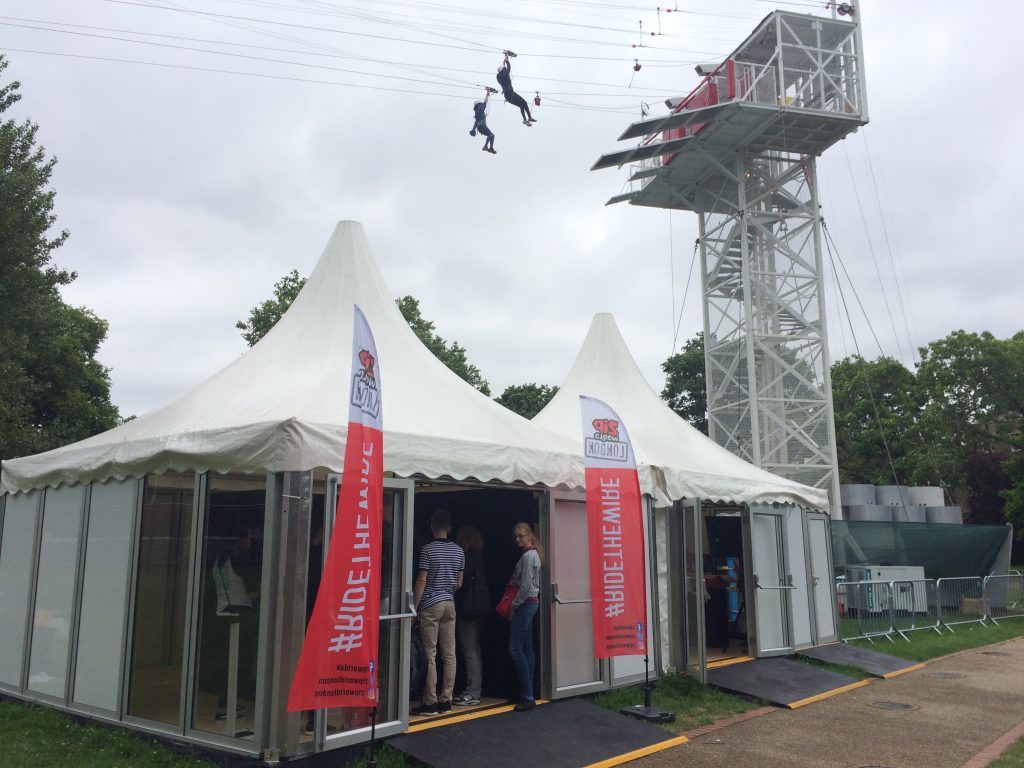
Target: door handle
<point>555,596</point>
<point>759,585</point>
<point>410,610</point>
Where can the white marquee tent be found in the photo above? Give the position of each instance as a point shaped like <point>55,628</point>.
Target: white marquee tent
<point>282,405</point>
<point>689,464</point>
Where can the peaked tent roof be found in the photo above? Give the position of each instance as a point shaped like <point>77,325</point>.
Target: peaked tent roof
<point>282,406</point>
<point>691,464</point>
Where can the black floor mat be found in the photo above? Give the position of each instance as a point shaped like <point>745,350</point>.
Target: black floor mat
<point>777,680</point>
<point>564,734</point>
<point>872,662</point>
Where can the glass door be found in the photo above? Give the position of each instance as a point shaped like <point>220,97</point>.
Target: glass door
<point>769,586</point>
<point>822,589</point>
<point>693,591</point>
<point>574,670</point>
<point>343,726</point>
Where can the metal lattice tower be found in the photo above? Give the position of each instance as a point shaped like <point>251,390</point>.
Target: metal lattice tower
<point>740,151</point>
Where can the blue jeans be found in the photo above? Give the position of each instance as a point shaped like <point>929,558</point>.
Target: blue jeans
<point>520,646</point>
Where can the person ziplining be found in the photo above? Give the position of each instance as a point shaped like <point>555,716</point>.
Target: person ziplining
<point>513,98</point>
<point>480,122</point>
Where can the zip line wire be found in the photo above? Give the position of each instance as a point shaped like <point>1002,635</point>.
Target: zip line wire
<point>29,24</point>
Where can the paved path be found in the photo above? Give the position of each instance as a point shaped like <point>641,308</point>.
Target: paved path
<point>961,704</point>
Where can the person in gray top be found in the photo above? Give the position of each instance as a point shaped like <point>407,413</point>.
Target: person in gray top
<point>524,609</point>
<point>440,574</point>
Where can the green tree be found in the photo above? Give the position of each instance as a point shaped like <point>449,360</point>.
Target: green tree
<point>685,385</point>
<point>453,355</point>
<point>526,399</point>
<point>265,315</point>
<point>875,404</point>
<point>52,389</point>
<point>956,375</point>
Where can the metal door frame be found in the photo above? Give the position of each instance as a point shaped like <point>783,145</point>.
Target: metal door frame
<point>550,651</point>
<point>692,583</point>
<point>323,741</point>
<point>810,516</point>
<point>785,585</point>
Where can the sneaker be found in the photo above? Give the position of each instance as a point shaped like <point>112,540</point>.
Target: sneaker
<point>493,151</point>
<point>308,728</point>
<point>533,120</point>
<point>525,705</point>
<point>465,700</point>
<point>444,707</point>
<point>527,123</point>
<point>426,710</point>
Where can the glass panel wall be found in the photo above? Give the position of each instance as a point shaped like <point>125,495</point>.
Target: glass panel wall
<point>16,549</point>
<point>55,590</point>
<point>230,605</point>
<point>161,592</point>
<point>105,581</point>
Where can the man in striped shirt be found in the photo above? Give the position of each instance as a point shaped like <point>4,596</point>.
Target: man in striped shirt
<point>440,574</point>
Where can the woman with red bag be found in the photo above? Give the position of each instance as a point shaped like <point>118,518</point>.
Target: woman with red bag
<point>524,609</point>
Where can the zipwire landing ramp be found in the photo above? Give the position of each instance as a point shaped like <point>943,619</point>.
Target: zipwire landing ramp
<point>782,681</point>
<point>564,734</point>
<point>872,662</point>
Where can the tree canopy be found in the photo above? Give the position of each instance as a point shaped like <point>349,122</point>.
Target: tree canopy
<point>53,391</point>
<point>453,355</point>
<point>956,421</point>
<point>526,399</point>
<point>265,315</point>
<point>685,386</point>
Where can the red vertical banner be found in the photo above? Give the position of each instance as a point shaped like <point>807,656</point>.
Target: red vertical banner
<point>615,533</point>
<point>338,664</point>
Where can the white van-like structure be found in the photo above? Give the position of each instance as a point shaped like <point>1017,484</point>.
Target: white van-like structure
<point>110,547</point>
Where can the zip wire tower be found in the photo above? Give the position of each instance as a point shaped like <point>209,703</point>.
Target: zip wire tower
<point>740,151</point>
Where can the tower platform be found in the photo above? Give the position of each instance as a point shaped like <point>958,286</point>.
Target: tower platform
<point>795,87</point>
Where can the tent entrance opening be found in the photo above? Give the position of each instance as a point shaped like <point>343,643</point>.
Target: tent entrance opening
<point>482,515</point>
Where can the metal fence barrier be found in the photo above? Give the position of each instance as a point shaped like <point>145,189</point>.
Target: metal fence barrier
<point>914,606</point>
<point>870,609</point>
<point>1004,596</point>
<point>865,610</point>
<point>961,601</point>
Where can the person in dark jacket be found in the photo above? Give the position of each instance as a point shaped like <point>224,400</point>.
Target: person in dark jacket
<point>480,123</point>
<point>513,98</point>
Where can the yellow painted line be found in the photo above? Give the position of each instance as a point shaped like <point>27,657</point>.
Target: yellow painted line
<point>438,722</point>
<point>636,754</point>
<point>828,694</point>
<point>729,662</point>
<point>899,672</point>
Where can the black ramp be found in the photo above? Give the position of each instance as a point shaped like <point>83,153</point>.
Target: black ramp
<point>564,734</point>
<point>872,662</point>
<point>780,681</point>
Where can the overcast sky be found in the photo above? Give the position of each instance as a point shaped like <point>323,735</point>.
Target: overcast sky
<point>191,181</point>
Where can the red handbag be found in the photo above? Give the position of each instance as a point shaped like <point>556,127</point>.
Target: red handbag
<point>504,606</point>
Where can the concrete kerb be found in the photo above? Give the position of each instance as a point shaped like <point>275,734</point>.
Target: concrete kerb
<point>744,729</point>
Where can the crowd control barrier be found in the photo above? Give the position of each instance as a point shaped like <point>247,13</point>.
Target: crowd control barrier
<point>1004,596</point>
<point>872,609</point>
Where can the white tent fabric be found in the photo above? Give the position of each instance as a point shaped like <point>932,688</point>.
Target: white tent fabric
<point>282,406</point>
<point>684,462</point>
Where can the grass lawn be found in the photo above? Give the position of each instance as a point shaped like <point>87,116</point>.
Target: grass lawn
<point>927,644</point>
<point>1012,758</point>
<point>37,737</point>
<point>693,703</point>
